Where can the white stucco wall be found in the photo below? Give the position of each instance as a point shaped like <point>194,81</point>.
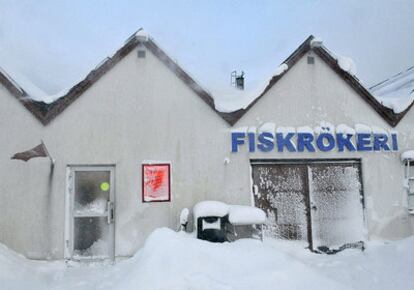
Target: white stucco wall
<point>309,94</point>
<point>141,111</point>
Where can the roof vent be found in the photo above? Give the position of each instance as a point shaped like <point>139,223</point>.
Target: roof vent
<point>237,80</point>
<point>141,53</point>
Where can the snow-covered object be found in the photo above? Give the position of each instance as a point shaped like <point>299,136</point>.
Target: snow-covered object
<point>184,216</point>
<point>171,260</point>
<point>325,127</point>
<point>398,105</point>
<point>345,130</point>
<point>285,130</point>
<point>397,92</point>
<point>252,129</point>
<point>268,127</point>
<point>229,99</point>
<point>363,129</point>
<point>210,208</point>
<point>379,130</point>
<point>246,215</point>
<point>216,225</point>
<point>240,129</point>
<point>281,69</point>
<point>346,64</point>
<point>316,42</point>
<point>407,155</point>
<point>304,129</point>
<point>142,35</point>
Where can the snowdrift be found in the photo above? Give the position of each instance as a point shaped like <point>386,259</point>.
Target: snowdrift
<point>171,260</point>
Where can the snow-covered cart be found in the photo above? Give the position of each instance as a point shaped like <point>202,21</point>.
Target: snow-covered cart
<point>216,221</point>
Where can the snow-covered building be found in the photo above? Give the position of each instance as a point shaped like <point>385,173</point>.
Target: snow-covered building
<point>138,140</point>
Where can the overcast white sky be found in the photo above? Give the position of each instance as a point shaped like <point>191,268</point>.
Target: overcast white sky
<point>55,43</point>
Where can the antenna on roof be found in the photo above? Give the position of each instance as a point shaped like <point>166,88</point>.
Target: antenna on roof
<point>237,80</point>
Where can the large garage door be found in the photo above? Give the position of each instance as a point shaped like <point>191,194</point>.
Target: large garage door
<point>282,191</point>
<point>316,201</point>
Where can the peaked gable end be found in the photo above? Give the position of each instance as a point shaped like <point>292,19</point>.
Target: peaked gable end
<point>387,114</point>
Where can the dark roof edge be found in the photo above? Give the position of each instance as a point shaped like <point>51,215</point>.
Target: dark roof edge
<point>19,93</point>
<point>45,113</point>
<point>386,113</point>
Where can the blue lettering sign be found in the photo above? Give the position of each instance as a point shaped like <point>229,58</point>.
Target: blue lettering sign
<point>305,141</point>
<point>285,142</point>
<point>363,142</point>
<point>237,138</point>
<point>344,141</point>
<point>380,141</point>
<point>266,142</point>
<point>252,141</point>
<point>329,139</point>
<point>394,142</point>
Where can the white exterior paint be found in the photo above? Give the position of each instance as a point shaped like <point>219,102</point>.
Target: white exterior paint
<point>139,111</point>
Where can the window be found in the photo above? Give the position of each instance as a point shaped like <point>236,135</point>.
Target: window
<point>409,184</point>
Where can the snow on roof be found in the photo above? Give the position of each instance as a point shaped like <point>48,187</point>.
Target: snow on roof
<point>33,92</point>
<point>246,215</point>
<point>397,92</point>
<point>407,155</point>
<point>210,208</point>
<point>10,79</point>
<point>142,35</point>
<point>236,99</point>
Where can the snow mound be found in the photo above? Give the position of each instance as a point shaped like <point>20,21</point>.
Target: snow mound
<point>407,155</point>
<point>246,215</point>
<point>177,261</point>
<point>210,208</point>
<point>398,105</point>
<point>142,35</point>
<point>346,64</point>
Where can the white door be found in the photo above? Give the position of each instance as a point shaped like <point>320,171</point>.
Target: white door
<point>90,213</point>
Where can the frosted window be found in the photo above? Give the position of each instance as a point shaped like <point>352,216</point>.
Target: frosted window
<point>91,237</point>
<point>91,192</point>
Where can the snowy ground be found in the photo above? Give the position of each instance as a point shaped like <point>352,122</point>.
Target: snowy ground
<point>171,260</point>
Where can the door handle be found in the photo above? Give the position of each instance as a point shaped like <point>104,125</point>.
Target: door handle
<point>110,216</point>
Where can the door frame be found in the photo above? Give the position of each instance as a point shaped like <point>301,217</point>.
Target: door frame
<point>307,162</point>
<point>69,202</point>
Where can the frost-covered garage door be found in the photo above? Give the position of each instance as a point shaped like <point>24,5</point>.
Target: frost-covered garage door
<point>311,200</point>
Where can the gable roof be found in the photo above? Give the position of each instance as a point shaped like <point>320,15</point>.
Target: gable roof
<point>45,113</point>
<point>386,113</point>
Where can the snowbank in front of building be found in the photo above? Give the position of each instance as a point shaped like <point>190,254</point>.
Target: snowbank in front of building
<point>173,261</point>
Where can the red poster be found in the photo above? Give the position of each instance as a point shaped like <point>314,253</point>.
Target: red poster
<point>155,182</point>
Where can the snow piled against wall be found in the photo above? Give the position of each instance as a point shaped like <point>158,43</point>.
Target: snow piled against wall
<point>177,261</point>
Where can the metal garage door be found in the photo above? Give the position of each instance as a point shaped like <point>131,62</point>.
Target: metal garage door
<point>311,200</point>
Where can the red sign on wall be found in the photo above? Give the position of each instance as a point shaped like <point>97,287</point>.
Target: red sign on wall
<point>156,182</point>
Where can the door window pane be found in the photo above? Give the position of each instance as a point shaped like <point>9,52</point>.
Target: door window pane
<point>91,192</point>
<point>91,237</point>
